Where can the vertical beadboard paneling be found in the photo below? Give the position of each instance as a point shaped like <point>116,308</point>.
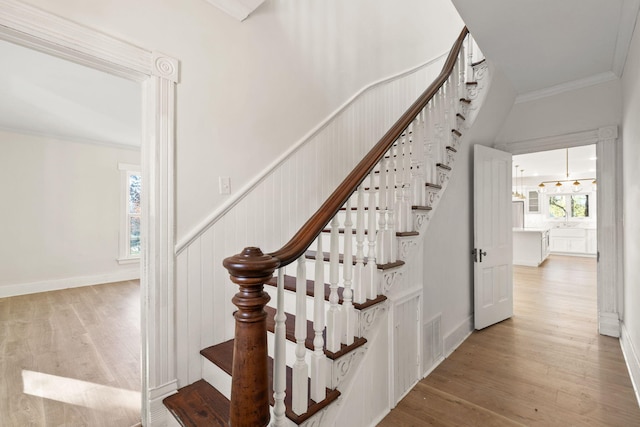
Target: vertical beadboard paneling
<point>274,210</point>
<point>182,309</point>
<point>194,311</point>
<point>208,286</point>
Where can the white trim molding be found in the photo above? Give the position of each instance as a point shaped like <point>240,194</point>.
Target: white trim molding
<point>457,336</point>
<point>596,79</point>
<point>239,9</point>
<point>35,28</point>
<point>609,219</point>
<point>67,283</point>
<point>632,360</point>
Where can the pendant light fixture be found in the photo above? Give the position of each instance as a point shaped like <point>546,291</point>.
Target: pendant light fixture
<point>522,196</point>
<point>576,185</point>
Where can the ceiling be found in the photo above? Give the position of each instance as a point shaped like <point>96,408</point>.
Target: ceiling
<point>44,95</point>
<point>551,165</point>
<point>547,45</point>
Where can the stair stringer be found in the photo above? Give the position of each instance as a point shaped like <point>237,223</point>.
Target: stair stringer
<point>399,284</point>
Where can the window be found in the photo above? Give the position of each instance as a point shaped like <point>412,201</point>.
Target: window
<point>569,206</point>
<point>131,182</point>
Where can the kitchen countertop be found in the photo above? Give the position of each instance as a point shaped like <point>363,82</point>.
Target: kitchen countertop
<point>531,230</point>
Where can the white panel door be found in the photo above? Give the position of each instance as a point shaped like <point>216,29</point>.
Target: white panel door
<point>493,241</point>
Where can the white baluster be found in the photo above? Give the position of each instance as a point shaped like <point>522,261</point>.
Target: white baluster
<point>382,244</point>
<point>400,208</point>
<point>334,334</point>
<point>359,294</point>
<point>372,268</point>
<point>300,383</point>
<point>279,356</point>
<point>418,160</point>
<point>318,359</point>
<point>390,230</point>
<point>470,76</point>
<point>348,325</point>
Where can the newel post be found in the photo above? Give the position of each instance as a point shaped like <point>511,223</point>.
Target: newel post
<point>250,386</point>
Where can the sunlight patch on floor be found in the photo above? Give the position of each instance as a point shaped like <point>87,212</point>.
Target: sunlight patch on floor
<point>78,392</point>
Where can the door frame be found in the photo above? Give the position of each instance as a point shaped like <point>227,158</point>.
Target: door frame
<point>36,29</point>
<point>609,220</point>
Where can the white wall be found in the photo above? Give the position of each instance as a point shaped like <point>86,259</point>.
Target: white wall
<point>60,218</point>
<point>250,89</point>
<point>573,111</point>
<point>631,188</point>
<point>448,267</point>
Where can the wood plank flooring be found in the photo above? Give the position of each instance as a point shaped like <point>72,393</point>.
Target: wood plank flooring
<point>547,366</point>
<point>71,357</point>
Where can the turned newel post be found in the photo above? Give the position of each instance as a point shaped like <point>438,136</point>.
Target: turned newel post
<point>250,386</point>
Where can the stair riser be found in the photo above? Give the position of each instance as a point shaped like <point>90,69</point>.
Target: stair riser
<point>215,376</point>
<point>326,244</point>
<point>290,301</point>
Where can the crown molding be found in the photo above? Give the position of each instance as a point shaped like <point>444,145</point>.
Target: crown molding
<point>628,17</point>
<point>239,9</point>
<point>566,87</point>
<point>568,140</point>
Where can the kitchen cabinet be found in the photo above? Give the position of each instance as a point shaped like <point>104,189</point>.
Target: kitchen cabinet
<point>530,246</point>
<point>572,240</point>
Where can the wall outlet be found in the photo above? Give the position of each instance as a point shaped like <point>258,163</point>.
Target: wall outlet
<point>224,183</point>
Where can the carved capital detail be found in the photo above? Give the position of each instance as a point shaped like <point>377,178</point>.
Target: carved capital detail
<point>607,133</point>
<point>166,67</point>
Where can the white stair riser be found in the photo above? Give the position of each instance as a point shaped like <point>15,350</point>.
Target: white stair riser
<point>290,301</point>
<point>215,376</point>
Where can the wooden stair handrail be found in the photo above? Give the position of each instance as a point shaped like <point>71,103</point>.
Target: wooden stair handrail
<point>299,243</point>
<point>251,269</point>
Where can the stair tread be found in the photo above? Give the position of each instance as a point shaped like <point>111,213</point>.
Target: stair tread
<point>366,232</point>
<point>456,132</point>
<point>312,255</point>
<point>465,100</point>
<point>472,83</point>
<point>450,148</point>
<point>436,186</point>
<point>474,64</point>
<point>290,285</point>
<point>421,208</point>
<point>443,166</point>
<point>460,116</point>
<point>222,356</point>
<point>290,327</point>
<point>199,404</point>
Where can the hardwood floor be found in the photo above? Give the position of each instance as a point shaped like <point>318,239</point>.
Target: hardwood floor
<point>71,357</point>
<point>546,366</point>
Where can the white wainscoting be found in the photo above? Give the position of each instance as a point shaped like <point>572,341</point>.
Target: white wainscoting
<point>632,359</point>
<point>274,206</point>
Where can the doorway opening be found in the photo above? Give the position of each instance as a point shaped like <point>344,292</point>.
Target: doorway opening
<point>70,285</point>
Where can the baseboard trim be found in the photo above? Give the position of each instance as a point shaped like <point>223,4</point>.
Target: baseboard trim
<point>158,413</point>
<point>609,324</point>
<point>631,359</point>
<point>71,282</point>
<point>457,336</point>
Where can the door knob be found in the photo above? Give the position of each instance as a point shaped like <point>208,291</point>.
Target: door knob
<point>482,253</point>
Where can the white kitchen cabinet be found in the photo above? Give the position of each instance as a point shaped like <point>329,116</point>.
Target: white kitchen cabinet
<point>592,241</point>
<point>569,240</point>
<point>530,246</point>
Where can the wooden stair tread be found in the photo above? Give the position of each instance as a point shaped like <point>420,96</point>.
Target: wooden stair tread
<point>456,132</point>
<point>290,285</point>
<point>443,166</point>
<point>421,208</point>
<point>436,186</point>
<point>366,231</point>
<point>312,255</point>
<point>474,64</point>
<point>290,327</point>
<point>450,148</point>
<point>407,233</point>
<point>465,100</point>
<point>472,83</point>
<point>199,404</point>
<point>222,356</point>
<point>461,117</point>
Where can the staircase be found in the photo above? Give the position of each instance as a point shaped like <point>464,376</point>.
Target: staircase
<point>284,368</point>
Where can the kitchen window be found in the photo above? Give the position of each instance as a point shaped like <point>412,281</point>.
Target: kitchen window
<point>566,206</point>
